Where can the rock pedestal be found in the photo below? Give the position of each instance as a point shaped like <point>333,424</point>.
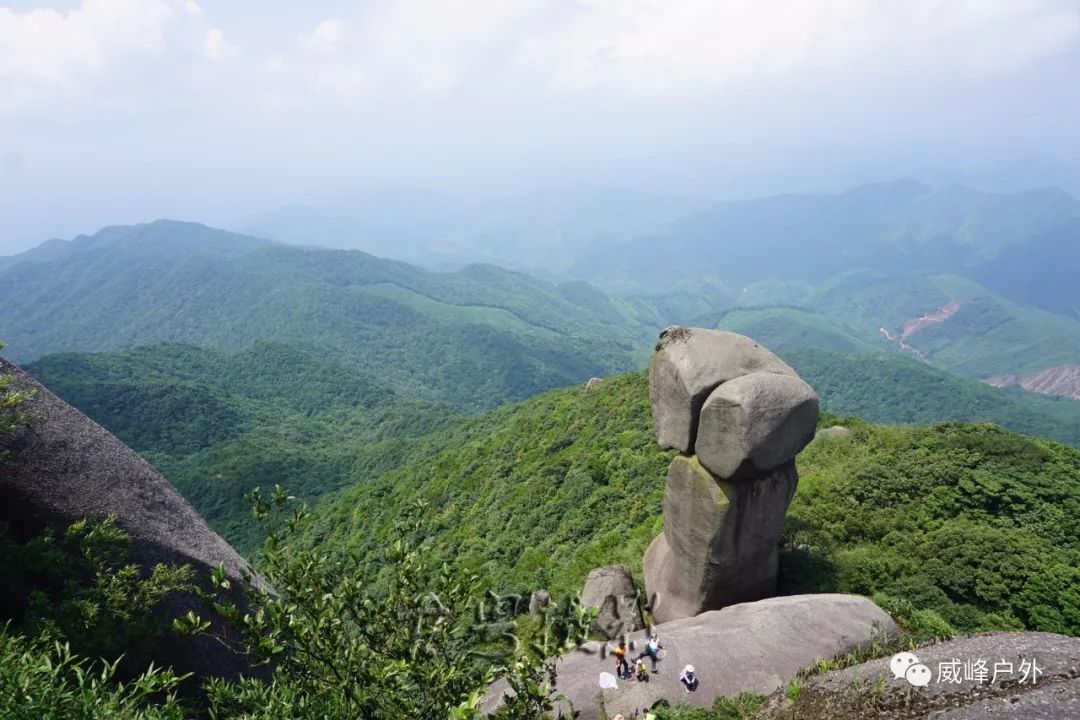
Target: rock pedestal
<point>739,415</point>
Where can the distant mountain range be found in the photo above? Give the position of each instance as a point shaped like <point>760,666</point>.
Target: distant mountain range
<point>542,232</point>
<point>622,238</point>
<point>482,335</point>
<point>475,338</point>
<point>896,228</point>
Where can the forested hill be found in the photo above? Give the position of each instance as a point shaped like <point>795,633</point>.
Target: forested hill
<point>887,388</point>
<point>219,423</point>
<point>475,338</point>
<point>958,525</point>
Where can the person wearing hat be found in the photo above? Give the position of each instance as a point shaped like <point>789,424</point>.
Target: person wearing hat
<point>688,678</point>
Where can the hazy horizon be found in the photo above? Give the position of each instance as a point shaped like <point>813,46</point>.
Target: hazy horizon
<point>121,111</point>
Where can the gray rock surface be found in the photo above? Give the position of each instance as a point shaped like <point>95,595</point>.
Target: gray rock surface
<point>611,589</point>
<point>753,647</point>
<point>689,363</point>
<point>63,467</point>
<point>720,540</point>
<point>539,601</point>
<point>755,423</point>
<point>1054,695</point>
<point>1057,701</point>
<point>836,432</point>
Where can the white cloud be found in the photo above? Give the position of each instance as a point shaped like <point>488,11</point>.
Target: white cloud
<point>633,49</point>
<point>102,51</point>
<point>45,48</point>
<point>645,48</point>
<point>325,39</point>
<point>216,48</point>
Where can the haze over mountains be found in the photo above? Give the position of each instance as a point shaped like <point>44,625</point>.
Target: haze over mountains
<point>610,234</point>
<point>975,283</point>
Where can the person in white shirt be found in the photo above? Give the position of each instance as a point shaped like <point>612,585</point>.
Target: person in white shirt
<point>652,651</point>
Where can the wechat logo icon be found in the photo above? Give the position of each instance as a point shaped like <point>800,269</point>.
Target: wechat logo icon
<point>906,665</point>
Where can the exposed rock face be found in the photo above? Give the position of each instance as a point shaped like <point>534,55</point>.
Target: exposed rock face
<point>689,363</point>
<point>720,541</point>
<point>755,423</point>
<point>754,647</point>
<point>1063,381</point>
<point>836,432</point>
<point>64,467</point>
<point>612,590</point>
<point>539,601</point>
<point>1055,694</point>
<point>746,414</point>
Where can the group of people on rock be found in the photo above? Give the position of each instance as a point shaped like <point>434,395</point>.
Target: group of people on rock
<point>640,673</point>
<point>688,677</point>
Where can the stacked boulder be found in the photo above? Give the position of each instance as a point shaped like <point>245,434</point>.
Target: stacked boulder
<point>738,415</point>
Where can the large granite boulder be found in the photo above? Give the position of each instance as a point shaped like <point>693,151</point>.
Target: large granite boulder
<point>741,416</point>
<point>720,540</point>
<point>753,647</point>
<point>64,467</point>
<point>612,591</point>
<point>689,363</point>
<point>755,423</point>
<point>1054,694</point>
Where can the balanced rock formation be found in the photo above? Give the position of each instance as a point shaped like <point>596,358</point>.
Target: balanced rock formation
<point>62,467</point>
<point>611,590</point>
<point>740,415</point>
<point>754,647</point>
<point>688,365</point>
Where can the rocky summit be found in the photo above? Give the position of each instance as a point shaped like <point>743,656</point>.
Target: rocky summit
<point>753,647</point>
<point>739,415</point>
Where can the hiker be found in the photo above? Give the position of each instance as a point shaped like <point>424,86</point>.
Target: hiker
<point>642,671</point>
<point>622,667</point>
<point>652,651</point>
<point>689,679</point>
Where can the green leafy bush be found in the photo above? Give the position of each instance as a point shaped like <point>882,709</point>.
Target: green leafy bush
<point>44,680</point>
<point>79,587</point>
<point>425,643</point>
<point>10,401</point>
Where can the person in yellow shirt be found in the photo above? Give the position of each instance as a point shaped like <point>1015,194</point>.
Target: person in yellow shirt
<point>622,667</point>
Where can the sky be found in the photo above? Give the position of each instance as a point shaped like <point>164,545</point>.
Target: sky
<point>118,111</point>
